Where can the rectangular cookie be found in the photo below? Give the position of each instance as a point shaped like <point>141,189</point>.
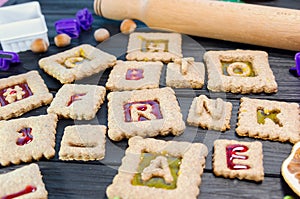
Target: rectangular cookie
<point>210,113</point>
<point>83,142</point>
<point>235,159</point>
<point>159,169</point>
<point>77,101</point>
<point>269,119</point>
<point>185,73</point>
<point>27,139</point>
<point>133,75</point>
<point>24,182</point>
<point>146,113</point>
<point>22,93</point>
<point>239,71</point>
<point>77,63</point>
<point>163,47</point>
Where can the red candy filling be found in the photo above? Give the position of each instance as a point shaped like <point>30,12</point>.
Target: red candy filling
<point>26,136</point>
<point>75,97</point>
<point>231,154</point>
<point>28,189</point>
<point>142,107</point>
<point>24,87</point>
<point>134,74</point>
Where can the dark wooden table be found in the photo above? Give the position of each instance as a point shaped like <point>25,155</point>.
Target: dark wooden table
<point>76,179</point>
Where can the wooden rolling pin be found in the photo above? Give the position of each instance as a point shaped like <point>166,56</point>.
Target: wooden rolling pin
<point>239,22</point>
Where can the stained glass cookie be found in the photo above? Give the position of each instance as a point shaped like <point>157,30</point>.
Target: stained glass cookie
<point>290,169</point>
<point>235,159</point>
<point>239,71</point>
<point>154,46</point>
<point>27,139</point>
<point>77,63</point>
<point>133,75</point>
<point>77,101</point>
<point>24,182</point>
<point>146,113</point>
<point>210,113</point>
<point>83,142</point>
<point>269,119</point>
<point>22,93</point>
<point>159,169</point>
<point>185,73</point>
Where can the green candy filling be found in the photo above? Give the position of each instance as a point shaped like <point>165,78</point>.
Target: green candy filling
<point>157,182</point>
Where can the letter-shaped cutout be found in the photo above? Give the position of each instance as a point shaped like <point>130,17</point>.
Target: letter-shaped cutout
<point>159,167</point>
<point>214,107</point>
<point>144,110</point>
<point>231,155</point>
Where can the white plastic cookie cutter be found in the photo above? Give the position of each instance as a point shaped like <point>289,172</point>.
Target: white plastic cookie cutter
<point>20,25</point>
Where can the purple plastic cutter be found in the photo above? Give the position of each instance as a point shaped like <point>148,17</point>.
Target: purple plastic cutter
<point>85,18</point>
<point>6,58</point>
<point>70,27</point>
<point>296,70</point>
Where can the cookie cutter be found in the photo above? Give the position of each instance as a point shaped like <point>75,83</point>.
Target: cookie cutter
<point>6,58</point>
<point>296,70</point>
<point>70,27</point>
<point>85,18</point>
<point>15,20</point>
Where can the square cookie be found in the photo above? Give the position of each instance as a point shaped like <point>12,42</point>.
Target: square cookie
<point>25,139</point>
<point>22,93</point>
<point>185,73</point>
<point>24,182</point>
<point>133,75</point>
<point>77,63</point>
<point>210,114</point>
<point>83,142</point>
<point>154,46</point>
<point>239,71</point>
<point>270,120</point>
<point>146,113</point>
<point>242,160</point>
<point>77,101</point>
<point>159,169</point>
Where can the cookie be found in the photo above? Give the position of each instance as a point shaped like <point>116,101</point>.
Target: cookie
<point>290,169</point>
<point>83,142</point>
<point>185,73</point>
<point>159,169</point>
<point>27,139</point>
<point>24,182</point>
<point>239,71</point>
<point>133,75</point>
<point>77,63</point>
<point>22,93</point>
<point>77,101</point>
<point>269,120</point>
<point>146,113</point>
<point>210,114</point>
<point>235,159</point>
<point>154,46</point>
